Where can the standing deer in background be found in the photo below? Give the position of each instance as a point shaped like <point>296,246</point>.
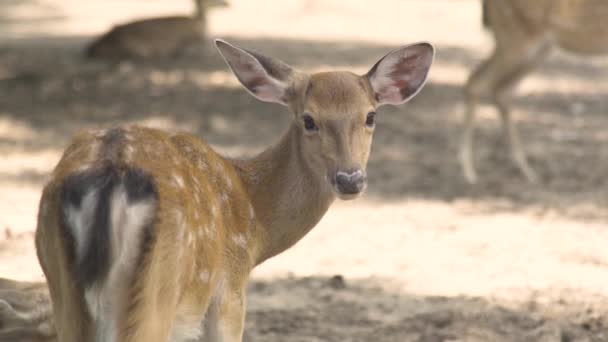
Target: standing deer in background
<point>150,236</point>
<point>155,37</point>
<point>524,33</point>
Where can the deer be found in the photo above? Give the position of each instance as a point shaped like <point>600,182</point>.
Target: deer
<point>525,32</point>
<point>164,37</point>
<point>25,312</point>
<point>147,235</point>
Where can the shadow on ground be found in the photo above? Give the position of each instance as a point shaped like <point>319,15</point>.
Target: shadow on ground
<point>331,309</point>
<point>335,309</point>
<point>47,87</point>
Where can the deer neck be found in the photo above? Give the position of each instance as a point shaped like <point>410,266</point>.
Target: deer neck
<point>200,11</point>
<point>288,196</point>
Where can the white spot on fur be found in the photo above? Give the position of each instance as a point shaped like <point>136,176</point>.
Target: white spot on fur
<point>178,180</point>
<point>228,183</point>
<point>100,133</point>
<point>190,239</point>
<point>128,136</point>
<point>204,276</point>
<point>251,212</point>
<point>214,212</point>
<point>129,150</point>
<point>223,197</point>
<point>240,240</point>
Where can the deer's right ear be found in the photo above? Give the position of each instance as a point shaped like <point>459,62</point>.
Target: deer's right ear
<point>266,78</point>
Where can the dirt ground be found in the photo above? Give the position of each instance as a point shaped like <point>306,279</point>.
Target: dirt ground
<point>423,256</point>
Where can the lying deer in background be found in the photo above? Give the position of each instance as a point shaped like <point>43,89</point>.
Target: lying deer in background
<point>524,33</point>
<point>25,312</point>
<point>155,37</point>
<point>149,236</point>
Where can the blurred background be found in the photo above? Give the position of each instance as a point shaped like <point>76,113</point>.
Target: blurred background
<point>423,256</point>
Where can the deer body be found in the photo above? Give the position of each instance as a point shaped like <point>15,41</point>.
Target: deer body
<point>149,236</point>
<point>524,34</point>
<point>155,37</point>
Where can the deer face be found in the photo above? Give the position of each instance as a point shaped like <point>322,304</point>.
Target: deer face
<point>335,112</point>
<point>337,123</point>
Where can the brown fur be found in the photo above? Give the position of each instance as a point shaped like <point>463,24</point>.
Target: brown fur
<point>524,33</point>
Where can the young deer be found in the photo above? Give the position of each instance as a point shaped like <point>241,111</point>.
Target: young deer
<point>150,236</point>
<point>155,37</point>
<point>524,33</point>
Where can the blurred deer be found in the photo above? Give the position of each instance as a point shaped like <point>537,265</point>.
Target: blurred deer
<point>25,312</point>
<point>149,236</point>
<point>524,33</point>
<point>155,37</point>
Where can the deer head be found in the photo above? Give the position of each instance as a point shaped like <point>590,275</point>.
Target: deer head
<point>335,112</point>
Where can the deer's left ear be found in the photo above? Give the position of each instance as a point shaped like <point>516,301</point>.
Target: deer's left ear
<point>399,75</point>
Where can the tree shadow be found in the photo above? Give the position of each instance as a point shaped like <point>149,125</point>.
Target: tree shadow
<point>334,309</point>
<point>331,309</point>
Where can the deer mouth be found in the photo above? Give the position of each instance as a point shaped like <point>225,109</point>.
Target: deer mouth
<point>348,185</point>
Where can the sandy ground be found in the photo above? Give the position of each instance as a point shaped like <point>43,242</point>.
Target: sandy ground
<point>423,256</point>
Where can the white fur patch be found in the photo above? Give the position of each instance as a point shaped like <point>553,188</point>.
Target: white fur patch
<point>228,183</point>
<point>240,240</point>
<point>204,276</point>
<point>129,150</point>
<point>178,181</point>
<point>127,221</point>
<point>186,328</point>
<point>224,197</point>
<point>80,220</point>
<point>251,212</point>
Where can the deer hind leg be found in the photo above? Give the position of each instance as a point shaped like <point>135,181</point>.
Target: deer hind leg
<point>474,89</point>
<point>502,95</point>
<point>225,319</point>
<point>497,77</point>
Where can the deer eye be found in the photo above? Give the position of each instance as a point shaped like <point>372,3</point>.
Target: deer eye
<point>309,123</point>
<point>370,121</point>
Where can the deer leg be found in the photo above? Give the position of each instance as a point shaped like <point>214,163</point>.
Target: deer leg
<point>225,319</point>
<point>502,96</point>
<point>497,77</point>
<point>478,82</point>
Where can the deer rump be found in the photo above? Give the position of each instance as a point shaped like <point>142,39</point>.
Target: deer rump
<point>577,26</point>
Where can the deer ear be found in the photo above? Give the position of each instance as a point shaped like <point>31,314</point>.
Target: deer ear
<point>399,75</point>
<point>266,78</point>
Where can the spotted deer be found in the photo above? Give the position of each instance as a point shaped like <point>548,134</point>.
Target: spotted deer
<point>147,236</point>
<point>524,32</point>
<point>155,37</point>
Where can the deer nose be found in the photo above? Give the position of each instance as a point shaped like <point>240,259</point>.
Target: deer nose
<point>350,182</point>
